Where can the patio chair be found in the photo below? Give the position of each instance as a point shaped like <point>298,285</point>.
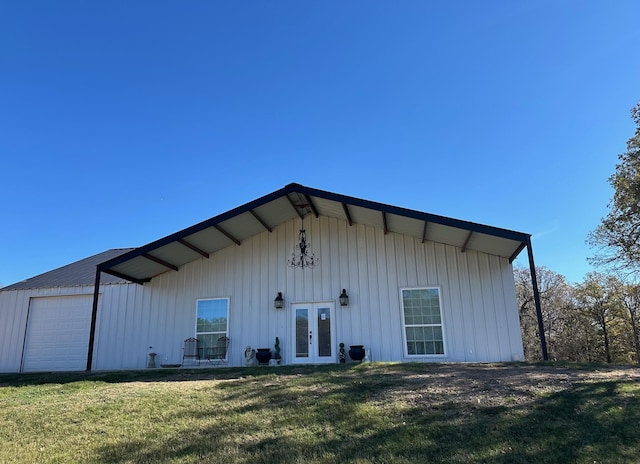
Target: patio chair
<point>218,354</point>
<point>191,350</point>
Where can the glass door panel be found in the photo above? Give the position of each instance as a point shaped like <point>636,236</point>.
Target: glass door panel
<point>324,332</point>
<point>302,332</point>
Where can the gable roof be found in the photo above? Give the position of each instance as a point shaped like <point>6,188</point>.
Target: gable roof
<point>81,272</point>
<point>294,200</point>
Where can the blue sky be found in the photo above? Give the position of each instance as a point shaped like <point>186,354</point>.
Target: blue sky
<point>123,122</point>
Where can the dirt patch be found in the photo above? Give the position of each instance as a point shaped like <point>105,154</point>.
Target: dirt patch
<point>498,385</point>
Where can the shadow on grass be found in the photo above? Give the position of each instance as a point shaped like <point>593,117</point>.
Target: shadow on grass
<point>359,414</point>
<point>156,375</point>
<point>225,373</point>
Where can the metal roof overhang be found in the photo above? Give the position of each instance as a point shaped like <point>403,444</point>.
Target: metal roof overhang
<point>235,226</point>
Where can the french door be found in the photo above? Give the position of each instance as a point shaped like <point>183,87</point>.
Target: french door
<point>313,332</point>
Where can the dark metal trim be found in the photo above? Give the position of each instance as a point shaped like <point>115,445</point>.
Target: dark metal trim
<point>94,318</point>
<point>347,213</point>
<point>135,280</point>
<point>312,206</point>
<point>197,228</point>
<point>536,300</point>
<point>307,191</point>
<point>466,242</point>
<point>226,234</point>
<point>424,232</point>
<point>515,254</point>
<point>162,262</point>
<point>260,220</point>
<point>191,246</point>
<point>384,223</point>
<point>446,221</point>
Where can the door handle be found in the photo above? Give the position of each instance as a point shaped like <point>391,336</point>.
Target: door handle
<point>310,337</point>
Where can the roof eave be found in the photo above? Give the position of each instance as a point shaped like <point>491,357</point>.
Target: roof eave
<point>308,192</point>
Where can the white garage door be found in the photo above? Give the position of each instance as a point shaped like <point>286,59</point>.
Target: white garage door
<point>58,334</point>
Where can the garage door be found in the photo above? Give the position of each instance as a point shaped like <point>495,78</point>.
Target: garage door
<point>57,334</point>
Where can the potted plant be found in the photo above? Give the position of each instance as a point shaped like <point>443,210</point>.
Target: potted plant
<point>263,355</point>
<point>356,352</point>
<point>276,351</point>
<point>341,354</point>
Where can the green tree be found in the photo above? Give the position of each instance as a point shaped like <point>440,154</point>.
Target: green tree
<point>599,299</point>
<point>617,237</point>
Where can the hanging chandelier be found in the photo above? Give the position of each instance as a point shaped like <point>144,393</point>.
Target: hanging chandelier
<point>302,256</point>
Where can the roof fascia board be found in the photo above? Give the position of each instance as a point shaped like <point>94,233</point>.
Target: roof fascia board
<point>301,189</point>
<point>196,228</point>
<point>389,209</point>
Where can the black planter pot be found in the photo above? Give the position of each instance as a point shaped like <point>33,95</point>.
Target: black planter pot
<point>356,352</point>
<point>263,355</point>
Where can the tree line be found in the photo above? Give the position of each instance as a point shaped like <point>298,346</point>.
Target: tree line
<point>597,320</point>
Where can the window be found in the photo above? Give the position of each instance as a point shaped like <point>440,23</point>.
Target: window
<point>422,321</point>
<point>212,321</point>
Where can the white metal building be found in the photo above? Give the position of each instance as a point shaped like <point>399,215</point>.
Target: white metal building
<point>420,287</point>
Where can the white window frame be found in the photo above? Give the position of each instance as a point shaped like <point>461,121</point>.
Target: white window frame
<point>441,324</point>
<point>219,334</point>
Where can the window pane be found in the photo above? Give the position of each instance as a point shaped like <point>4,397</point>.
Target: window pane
<point>206,341</point>
<point>212,316</point>
<point>423,321</point>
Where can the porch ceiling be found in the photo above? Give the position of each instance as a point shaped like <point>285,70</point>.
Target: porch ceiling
<point>235,226</point>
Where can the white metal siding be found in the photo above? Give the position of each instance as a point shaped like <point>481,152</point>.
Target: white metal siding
<point>13,320</point>
<point>479,306</point>
<point>478,294</point>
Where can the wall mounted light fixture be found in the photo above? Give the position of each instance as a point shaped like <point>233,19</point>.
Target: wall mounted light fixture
<point>278,302</point>
<point>344,298</point>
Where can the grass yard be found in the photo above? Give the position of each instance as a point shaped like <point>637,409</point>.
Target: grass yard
<point>368,413</point>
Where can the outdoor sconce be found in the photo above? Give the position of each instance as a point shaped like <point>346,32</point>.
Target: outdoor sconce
<point>344,298</point>
<point>278,303</point>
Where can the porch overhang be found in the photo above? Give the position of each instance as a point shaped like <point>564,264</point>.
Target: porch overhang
<point>233,227</point>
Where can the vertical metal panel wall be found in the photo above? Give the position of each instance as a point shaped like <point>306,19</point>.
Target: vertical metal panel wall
<point>479,306</point>
<point>478,297</point>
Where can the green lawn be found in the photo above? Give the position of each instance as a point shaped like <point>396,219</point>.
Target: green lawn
<point>368,413</point>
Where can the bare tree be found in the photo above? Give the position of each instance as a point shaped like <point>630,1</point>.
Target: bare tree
<point>630,298</point>
<point>555,300</point>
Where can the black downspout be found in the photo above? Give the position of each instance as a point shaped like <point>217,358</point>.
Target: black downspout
<point>536,300</point>
<point>94,318</point>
